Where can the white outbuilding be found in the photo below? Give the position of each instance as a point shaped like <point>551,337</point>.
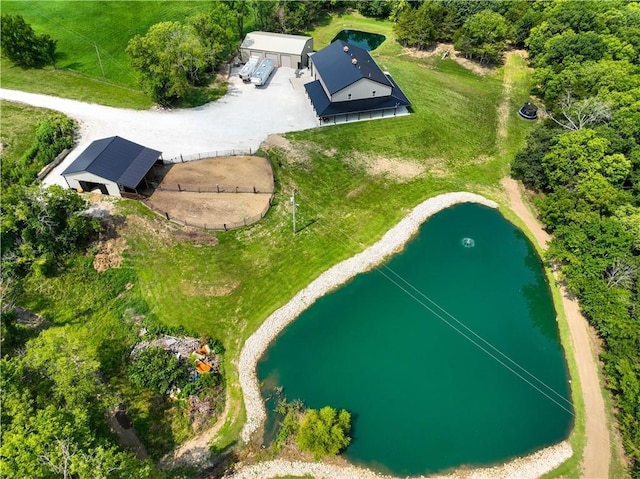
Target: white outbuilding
<point>290,51</point>
<point>114,166</point>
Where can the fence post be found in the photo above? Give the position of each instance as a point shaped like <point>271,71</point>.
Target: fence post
<point>167,215</point>
<point>225,226</point>
<point>254,189</point>
<point>179,189</point>
<point>236,189</point>
<point>181,159</point>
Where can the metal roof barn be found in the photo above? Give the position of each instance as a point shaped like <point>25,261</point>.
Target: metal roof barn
<point>349,85</point>
<point>290,51</point>
<point>113,165</point>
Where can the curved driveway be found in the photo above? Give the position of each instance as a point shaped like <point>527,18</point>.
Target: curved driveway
<point>242,119</point>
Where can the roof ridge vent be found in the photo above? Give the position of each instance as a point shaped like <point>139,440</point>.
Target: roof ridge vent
<point>354,60</point>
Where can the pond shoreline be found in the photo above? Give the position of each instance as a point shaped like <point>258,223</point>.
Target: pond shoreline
<point>393,241</point>
<point>527,467</point>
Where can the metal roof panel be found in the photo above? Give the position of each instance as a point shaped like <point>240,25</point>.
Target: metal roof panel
<point>275,42</point>
<point>336,67</point>
<point>115,159</point>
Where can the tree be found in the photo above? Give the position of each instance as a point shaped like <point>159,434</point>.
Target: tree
<point>580,113</point>
<point>324,432</point>
<point>375,8</point>
<point>239,11</point>
<point>580,154</point>
<point>571,48</point>
<point>22,46</point>
<point>483,36</point>
<point>294,17</point>
<point>40,226</point>
<point>216,40</point>
<point>170,58</point>
<point>53,407</point>
<point>415,27</point>
<point>264,12</point>
<point>527,165</point>
<point>158,370</point>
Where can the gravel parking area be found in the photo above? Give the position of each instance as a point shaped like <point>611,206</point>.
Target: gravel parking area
<point>242,119</point>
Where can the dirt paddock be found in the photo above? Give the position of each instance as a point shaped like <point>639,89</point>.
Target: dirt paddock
<point>188,192</point>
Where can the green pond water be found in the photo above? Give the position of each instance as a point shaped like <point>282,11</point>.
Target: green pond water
<point>367,41</point>
<point>423,397</point>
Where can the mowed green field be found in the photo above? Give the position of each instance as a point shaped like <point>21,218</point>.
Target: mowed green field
<point>82,27</point>
<point>226,291</point>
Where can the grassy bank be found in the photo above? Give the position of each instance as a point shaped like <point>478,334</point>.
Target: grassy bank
<point>92,37</point>
<point>18,125</point>
<point>226,291</point>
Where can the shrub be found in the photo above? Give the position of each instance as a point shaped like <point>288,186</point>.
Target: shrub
<point>158,370</point>
<point>324,432</point>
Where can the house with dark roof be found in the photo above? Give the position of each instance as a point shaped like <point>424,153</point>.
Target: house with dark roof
<point>349,85</point>
<point>113,165</point>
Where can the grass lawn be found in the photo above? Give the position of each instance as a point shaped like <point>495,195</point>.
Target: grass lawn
<point>227,290</point>
<point>82,27</point>
<point>18,125</point>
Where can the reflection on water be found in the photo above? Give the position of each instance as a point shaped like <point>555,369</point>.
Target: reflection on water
<point>367,41</point>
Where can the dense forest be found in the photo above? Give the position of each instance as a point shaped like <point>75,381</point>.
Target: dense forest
<point>584,160</point>
<point>581,165</point>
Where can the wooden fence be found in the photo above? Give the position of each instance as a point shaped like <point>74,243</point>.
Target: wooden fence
<point>213,226</point>
<point>179,187</point>
<point>209,154</point>
<point>58,159</point>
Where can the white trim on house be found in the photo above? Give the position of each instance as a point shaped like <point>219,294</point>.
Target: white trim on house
<point>363,88</point>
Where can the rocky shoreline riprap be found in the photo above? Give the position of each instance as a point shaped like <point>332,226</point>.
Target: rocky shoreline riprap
<point>530,466</point>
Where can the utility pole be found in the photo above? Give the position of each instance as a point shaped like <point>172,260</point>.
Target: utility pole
<point>293,204</point>
<point>99,59</point>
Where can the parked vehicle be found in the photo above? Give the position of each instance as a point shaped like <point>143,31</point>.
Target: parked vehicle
<point>247,70</point>
<point>262,73</point>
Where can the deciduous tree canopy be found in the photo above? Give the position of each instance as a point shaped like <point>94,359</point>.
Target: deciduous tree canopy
<point>324,432</point>
<point>23,46</point>
<point>586,161</point>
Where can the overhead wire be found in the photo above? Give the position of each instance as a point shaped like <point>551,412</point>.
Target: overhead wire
<point>379,268</point>
<point>88,41</point>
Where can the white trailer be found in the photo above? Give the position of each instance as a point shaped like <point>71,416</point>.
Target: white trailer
<point>247,70</point>
<point>262,73</point>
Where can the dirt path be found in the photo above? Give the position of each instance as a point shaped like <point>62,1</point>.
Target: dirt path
<point>595,463</point>
<point>195,450</point>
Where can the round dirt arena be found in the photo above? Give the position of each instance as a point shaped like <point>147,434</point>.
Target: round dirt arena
<point>213,192</point>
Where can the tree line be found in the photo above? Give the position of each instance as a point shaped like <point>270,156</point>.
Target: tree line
<point>52,388</point>
<point>584,161</point>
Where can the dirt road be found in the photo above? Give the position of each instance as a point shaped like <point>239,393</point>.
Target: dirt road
<point>595,463</point>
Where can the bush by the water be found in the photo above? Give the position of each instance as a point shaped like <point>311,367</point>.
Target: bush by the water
<point>324,432</point>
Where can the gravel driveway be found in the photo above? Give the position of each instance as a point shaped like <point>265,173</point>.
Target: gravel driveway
<point>242,119</point>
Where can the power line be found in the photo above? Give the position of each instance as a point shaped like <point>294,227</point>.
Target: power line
<point>459,331</point>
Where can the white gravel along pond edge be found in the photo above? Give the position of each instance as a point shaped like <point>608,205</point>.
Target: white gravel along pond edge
<point>530,466</point>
